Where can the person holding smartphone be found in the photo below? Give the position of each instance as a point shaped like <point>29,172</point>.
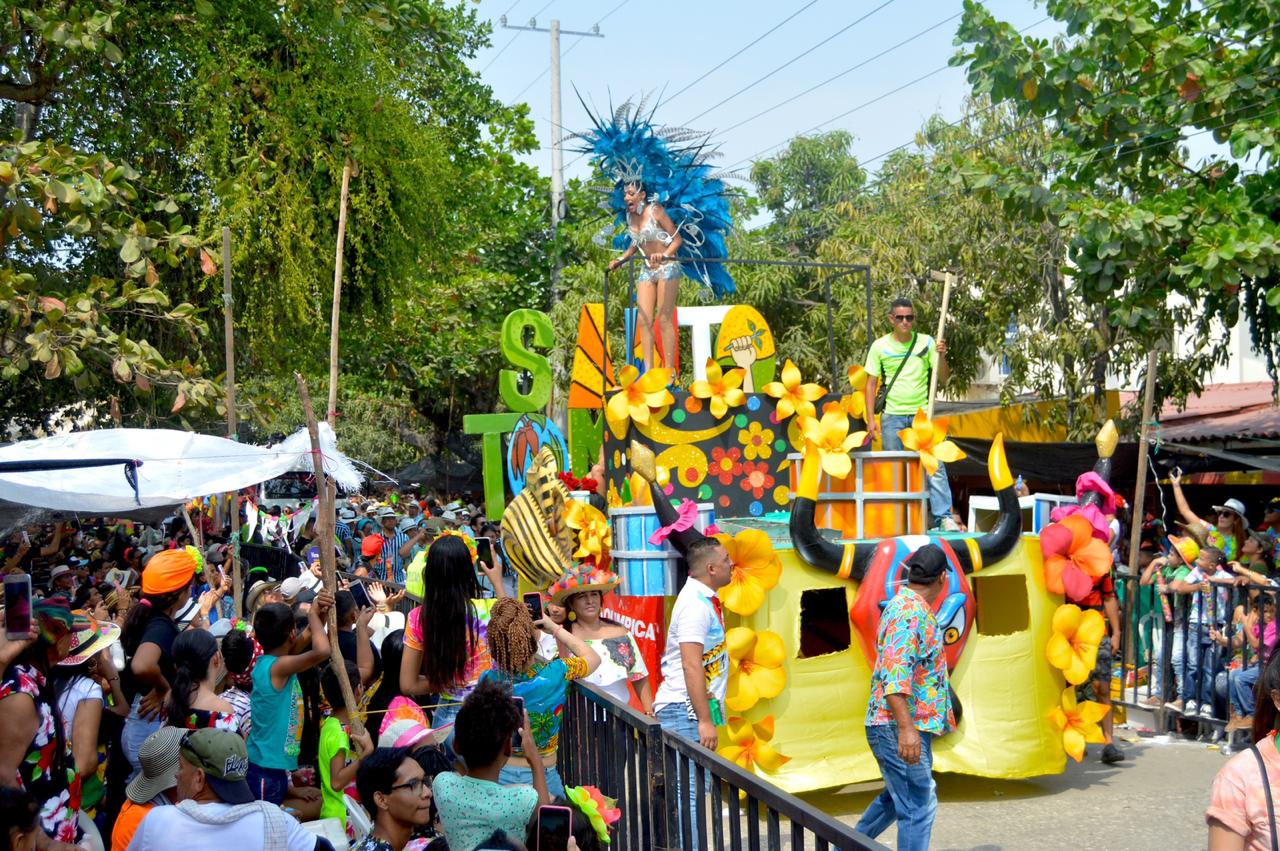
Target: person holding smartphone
<point>541,683</point>
<point>473,806</point>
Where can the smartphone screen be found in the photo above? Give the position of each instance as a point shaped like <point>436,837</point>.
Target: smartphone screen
<point>516,740</point>
<point>533,602</point>
<point>554,826</point>
<point>17,606</point>
<point>484,550</point>
<point>361,595</point>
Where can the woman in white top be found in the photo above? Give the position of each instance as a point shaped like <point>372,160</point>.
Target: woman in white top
<point>582,594</point>
<point>82,681</point>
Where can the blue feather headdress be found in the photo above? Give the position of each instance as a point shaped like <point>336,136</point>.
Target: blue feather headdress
<point>672,164</point>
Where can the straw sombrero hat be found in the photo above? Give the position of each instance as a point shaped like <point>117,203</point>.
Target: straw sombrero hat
<point>538,542</point>
<point>90,639</point>
<point>584,577</point>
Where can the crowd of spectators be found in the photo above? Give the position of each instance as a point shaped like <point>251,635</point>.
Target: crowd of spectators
<point>140,713</point>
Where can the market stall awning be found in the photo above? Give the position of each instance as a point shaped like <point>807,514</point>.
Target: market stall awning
<point>117,471</point>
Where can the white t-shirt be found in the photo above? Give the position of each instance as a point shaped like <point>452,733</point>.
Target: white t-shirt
<point>81,688</point>
<point>694,619</point>
<point>165,828</point>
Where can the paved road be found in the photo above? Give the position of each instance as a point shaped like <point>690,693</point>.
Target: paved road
<point>1154,800</point>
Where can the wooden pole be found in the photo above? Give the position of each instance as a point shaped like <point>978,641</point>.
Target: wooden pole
<point>229,337</point>
<point>329,570</point>
<point>196,537</point>
<point>1140,493</point>
<point>948,279</point>
<point>331,415</point>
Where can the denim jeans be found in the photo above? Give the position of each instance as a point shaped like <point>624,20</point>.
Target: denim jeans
<point>1199,665</point>
<point>442,715</point>
<point>910,796</point>
<point>135,732</point>
<point>939,486</point>
<point>675,719</point>
<point>268,784</point>
<point>1240,685</point>
<point>515,775</point>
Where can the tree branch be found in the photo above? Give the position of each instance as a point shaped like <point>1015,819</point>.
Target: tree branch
<point>35,93</point>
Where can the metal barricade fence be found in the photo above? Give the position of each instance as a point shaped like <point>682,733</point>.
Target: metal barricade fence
<point>649,770</point>
<point>1206,646</point>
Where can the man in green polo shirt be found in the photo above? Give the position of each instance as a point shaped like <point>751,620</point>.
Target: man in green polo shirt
<point>910,357</point>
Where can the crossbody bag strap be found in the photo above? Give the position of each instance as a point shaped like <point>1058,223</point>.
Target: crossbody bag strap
<point>888,387</point>
<point>1266,788</point>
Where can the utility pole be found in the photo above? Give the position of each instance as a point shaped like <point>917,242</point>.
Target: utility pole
<point>559,209</point>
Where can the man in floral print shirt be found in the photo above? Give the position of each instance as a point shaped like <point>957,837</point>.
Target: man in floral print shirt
<point>910,704</point>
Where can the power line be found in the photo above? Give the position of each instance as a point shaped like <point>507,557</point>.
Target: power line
<point>1035,120</point>
<point>835,77</point>
<point>494,58</point>
<point>744,49</point>
<point>568,50</point>
<point>1024,30</point>
<point>791,61</point>
<point>862,105</point>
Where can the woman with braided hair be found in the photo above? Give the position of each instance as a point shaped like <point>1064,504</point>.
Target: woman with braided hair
<point>541,684</point>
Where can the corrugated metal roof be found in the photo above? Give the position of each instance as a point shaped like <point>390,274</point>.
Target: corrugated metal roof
<point>1223,411</point>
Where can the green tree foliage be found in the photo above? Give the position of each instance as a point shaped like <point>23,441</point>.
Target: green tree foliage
<point>242,114</point>
<point>1158,243</point>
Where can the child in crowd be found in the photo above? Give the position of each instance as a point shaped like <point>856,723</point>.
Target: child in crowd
<point>472,807</point>
<point>238,653</point>
<point>275,740</point>
<point>1161,571</point>
<point>338,763</point>
<point>1210,609</point>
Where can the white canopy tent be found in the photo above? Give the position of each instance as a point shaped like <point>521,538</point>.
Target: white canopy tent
<point>170,467</point>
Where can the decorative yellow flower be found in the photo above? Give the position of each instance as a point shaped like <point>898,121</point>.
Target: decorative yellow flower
<point>639,490</point>
<point>723,389</point>
<point>756,442</point>
<point>755,667</point>
<point>857,377</point>
<point>594,535</point>
<point>793,397</point>
<point>855,405</point>
<point>1073,647</point>
<point>929,438</point>
<point>750,746</point>
<point>756,569</point>
<point>638,396</point>
<point>1078,722</point>
<point>830,436</point>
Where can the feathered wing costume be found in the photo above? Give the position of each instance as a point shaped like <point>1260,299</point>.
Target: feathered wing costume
<point>672,165</point>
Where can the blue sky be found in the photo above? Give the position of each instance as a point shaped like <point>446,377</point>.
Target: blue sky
<point>650,45</point>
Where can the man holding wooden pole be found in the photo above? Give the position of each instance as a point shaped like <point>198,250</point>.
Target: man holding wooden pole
<point>899,367</point>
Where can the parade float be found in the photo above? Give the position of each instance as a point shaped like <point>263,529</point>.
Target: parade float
<point>816,521</point>
<point>818,525</point>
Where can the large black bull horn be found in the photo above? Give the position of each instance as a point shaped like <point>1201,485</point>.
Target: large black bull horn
<point>851,560</point>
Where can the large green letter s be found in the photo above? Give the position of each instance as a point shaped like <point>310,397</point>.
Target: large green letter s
<point>513,348</point>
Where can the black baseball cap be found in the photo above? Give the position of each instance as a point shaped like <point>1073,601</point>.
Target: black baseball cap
<point>926,564</point>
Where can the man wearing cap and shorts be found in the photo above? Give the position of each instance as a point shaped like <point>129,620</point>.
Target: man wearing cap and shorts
<point>910,704</point>
<point>153,787</point>
<point>215,809</point>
